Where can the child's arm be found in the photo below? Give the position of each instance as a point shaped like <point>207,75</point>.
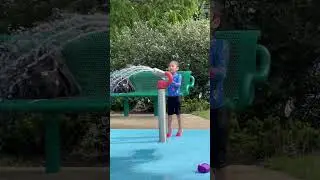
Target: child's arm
<point>219,72</point>
<point>177,83</point>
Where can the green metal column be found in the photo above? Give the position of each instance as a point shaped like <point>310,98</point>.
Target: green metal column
<point>52,143</point>
<point>155,106</point>
<point>126,107</point>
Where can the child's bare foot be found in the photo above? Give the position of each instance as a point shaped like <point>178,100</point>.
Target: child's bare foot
<point>179,133</point>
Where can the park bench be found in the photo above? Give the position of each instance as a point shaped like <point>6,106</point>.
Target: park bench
<point>145,85</point>
<point>87,59</point>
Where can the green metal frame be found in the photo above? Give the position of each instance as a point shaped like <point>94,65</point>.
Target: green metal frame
<point>87,59</point>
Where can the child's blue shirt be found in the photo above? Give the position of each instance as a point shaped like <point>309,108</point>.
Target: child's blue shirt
<point>219,56</point>
<point>174,87</point>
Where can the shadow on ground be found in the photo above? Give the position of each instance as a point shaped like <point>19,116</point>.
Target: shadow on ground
<point>134,140</point>
<point>125,167</point>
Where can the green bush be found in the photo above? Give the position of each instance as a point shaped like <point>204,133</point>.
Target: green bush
<point>261,139</point>
<point>186,42</point>
<point>191,105</point>
<point>146,105</point>
<point>22,134</point>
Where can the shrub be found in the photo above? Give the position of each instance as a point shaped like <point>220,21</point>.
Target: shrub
<point>191,105</point>
<point>260,139</point>
<point>22,134</point>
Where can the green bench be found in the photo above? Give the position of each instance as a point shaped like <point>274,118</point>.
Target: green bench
<point>87,60</point>
<point>145,85</point>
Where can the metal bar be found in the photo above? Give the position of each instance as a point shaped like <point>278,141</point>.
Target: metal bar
<point>52,143</point>
<point>155,106</point>
<point>126,107</point>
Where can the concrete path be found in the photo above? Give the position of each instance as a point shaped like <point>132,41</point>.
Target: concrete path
<point>148,121</point>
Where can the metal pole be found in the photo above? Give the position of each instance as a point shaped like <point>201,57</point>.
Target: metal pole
<point>162,86</point>
<point>162,115</point>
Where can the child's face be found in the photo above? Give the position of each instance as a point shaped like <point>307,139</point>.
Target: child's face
<point>173,67</point>
<point>215,22</point>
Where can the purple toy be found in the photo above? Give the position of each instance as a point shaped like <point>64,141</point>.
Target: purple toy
<point>203,168</point>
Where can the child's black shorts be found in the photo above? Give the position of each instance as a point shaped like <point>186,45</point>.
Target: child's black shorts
<point>174,105</point>
<point>219,121</point>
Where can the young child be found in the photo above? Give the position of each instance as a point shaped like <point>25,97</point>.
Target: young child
<point>174,100</point>
<point>219,115</point>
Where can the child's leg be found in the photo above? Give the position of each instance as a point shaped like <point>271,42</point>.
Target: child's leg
<point>219,122</point>
<point>179,133</point>
<point>170,113</point>
<point>178,113</point>
<point>179,122</point>
<point>169,125</point>
<point>215,154</point>
<point>224,116</point>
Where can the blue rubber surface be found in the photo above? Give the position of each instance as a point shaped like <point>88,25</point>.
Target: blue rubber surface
<point>135,154</point>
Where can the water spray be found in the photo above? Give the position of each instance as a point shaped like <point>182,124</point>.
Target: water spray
<point>158,72</point>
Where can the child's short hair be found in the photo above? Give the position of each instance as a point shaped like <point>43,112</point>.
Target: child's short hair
<point>216,9</point>
<point>175,63</point>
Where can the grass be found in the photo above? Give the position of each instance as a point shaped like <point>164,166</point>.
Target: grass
<point>204,114</point>
<point>304,167</point>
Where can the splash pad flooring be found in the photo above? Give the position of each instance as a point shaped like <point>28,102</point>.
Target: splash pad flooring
<point>135,154</point>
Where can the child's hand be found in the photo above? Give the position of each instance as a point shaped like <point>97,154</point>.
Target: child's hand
<point>213,72</point>
<point>217,73</point>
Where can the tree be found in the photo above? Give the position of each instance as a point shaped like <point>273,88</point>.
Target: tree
<point>157,13</point>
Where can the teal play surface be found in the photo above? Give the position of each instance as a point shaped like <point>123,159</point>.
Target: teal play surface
<point>135,154</point>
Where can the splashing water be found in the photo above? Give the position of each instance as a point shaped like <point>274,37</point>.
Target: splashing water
<point>28,48</point>
<point>120,78</point>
